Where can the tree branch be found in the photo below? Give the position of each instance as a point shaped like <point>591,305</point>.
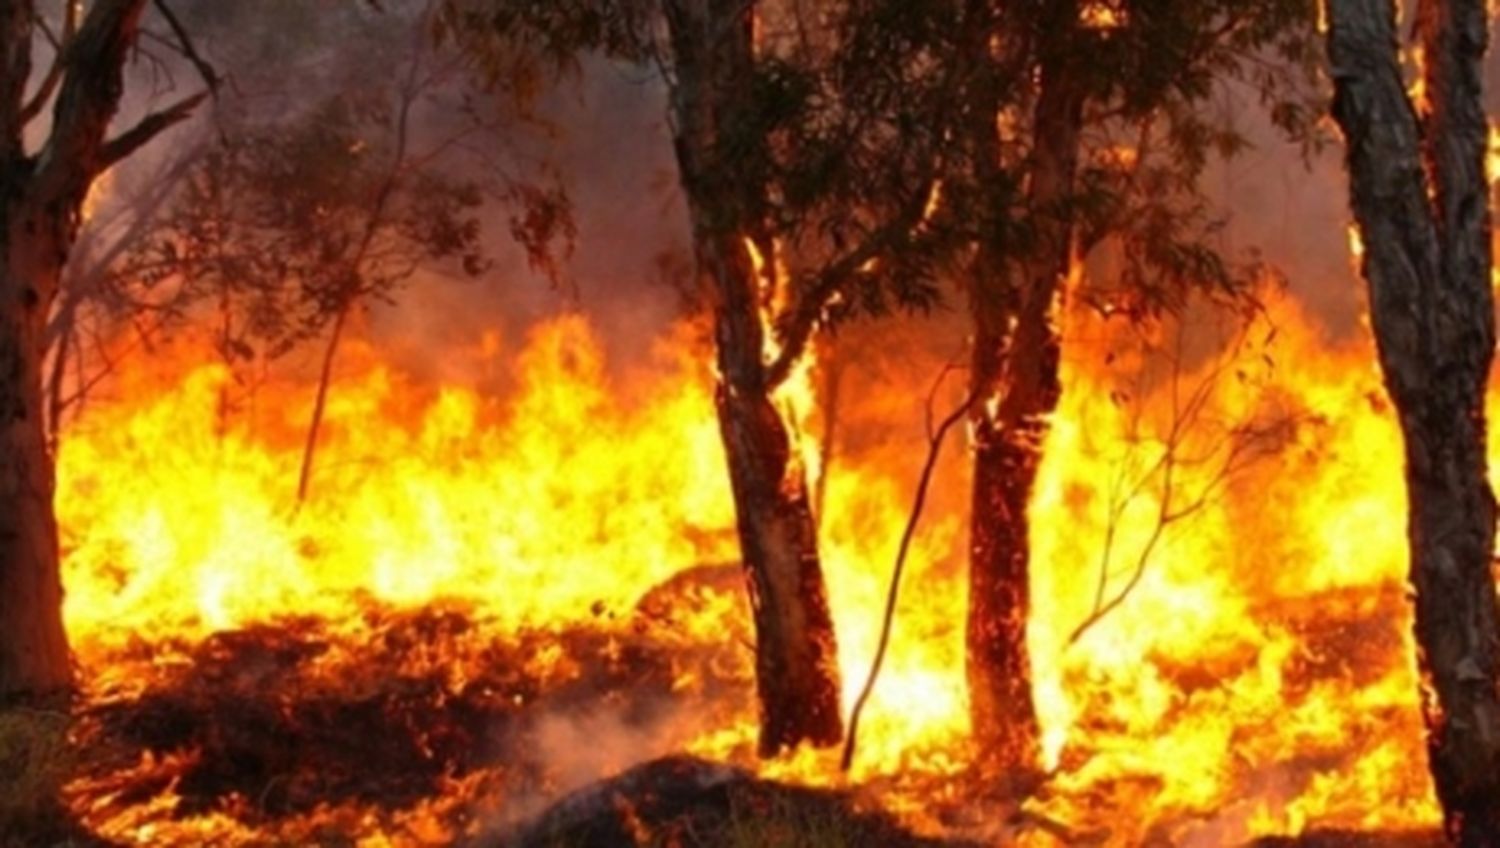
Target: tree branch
<point>93,80</point>
<point>795,327</point>
<point>60,46</point>
<point>934,451</point>
<point>149,127</point>
<point>185,43</point>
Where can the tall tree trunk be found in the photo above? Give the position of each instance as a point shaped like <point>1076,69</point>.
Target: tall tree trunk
<point>34,658</point>
<point>41,197</point>
<point>1419,193</point>
<point>796,658</point>
<point>1016,383</point>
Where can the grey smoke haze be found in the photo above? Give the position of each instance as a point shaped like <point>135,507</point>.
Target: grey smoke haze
<point>613,152</point>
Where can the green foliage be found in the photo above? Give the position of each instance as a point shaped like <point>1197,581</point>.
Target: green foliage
<point>279,228</point>
<point>334,181</point>
<point>346,155</point>
<point>839,151</point>
<point>1160,85</point>
<point>855,110</point>
<point>518,47</point>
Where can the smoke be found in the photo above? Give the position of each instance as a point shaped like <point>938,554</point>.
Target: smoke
<point>574,748</point>
<point>612,151</point>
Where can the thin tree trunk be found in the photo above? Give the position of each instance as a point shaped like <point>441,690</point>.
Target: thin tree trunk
<point>320,405</point>
<point>1016,384</point>
<point>1427,263</point>
<point>351,295</point>
<point>61,355</point>
<point>831,362</point>
<point>796,658</point>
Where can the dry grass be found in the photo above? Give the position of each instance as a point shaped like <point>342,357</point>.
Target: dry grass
<point>780,822</point>
<point>35,760</point>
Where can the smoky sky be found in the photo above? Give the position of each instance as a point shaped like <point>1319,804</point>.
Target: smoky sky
<point>607,139</point>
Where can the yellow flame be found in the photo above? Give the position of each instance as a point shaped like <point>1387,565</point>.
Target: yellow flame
<point>1102,15</point>
<point>1256,678</point>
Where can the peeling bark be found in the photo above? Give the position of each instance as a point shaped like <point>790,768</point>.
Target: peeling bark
<point>1419,194</point>
<point>796,658</point>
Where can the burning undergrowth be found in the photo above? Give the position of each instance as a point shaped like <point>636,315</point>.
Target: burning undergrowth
<point>435,727</point>
<point>495,599</point>
<point>429,726</point>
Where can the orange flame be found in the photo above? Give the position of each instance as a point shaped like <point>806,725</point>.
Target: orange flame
<point>1255,678</point>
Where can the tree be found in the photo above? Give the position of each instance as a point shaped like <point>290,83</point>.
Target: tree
<point>807,179</point>
<point>1084,130</point>
<point>714,55</point>
<point>1421,200</point>
<point>314,201</point>
<point>278,233</point>
<point>42,193</point>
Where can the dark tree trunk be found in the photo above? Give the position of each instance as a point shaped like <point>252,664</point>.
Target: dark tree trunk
<point>34,658</point>
<point>1420,196</point>
<point>1017,388</point>
<point>1007,452</point>
<point>796,658</point>
<point>40,201</point>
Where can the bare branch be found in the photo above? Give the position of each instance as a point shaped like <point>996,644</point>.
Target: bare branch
<point>934,451</point>
<point>149,127</point>
<point>1232,452</point>
<point>797,325</point>
<point>60,46</point>
<point>89,96</point>
<point>185,44</point>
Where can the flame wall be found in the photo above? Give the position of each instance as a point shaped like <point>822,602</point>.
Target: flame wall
<point>1256,679</point>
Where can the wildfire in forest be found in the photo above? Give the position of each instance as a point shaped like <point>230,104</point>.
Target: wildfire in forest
<point>534,587</point>
<point>303,544</point>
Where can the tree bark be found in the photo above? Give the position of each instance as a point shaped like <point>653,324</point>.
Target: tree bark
<point>1419,194</point>
<point>41,197</point>
<point>796,658</point>
<point>1016,385</point>
<point>34,658</point>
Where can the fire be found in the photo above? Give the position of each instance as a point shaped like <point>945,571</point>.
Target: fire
<point>1101,16</point>
<point>175,527</point>
<point>1226,671</point>
<point>1255,677</point>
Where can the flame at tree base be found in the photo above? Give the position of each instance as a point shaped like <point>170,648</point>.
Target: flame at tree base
<point>491,601</point>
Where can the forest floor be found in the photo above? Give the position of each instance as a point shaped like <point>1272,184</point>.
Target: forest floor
<point>431,728</point>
